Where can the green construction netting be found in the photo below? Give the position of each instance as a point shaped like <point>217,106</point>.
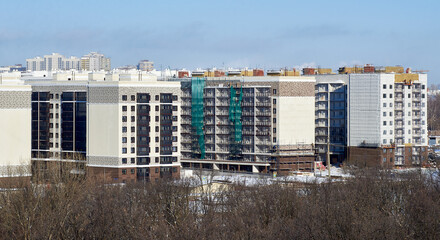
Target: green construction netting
<point>235,114</point>
<point>197,86</point>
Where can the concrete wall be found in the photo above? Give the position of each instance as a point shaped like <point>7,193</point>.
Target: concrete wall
<point>295,120</point>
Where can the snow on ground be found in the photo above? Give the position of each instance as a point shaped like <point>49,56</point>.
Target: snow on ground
<point>254,179</point>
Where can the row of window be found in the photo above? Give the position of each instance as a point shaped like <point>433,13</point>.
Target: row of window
<point>409,141</point>
<point>409,95</point>
<point>133,108</point>
<point>409,86</point>
<point>157,97</point>
<point>133,139</point>
<point>165,148</point>
<point>391,123</point>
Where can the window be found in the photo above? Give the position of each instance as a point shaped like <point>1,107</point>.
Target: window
<point>157,139</point>
<point>423,95</point>
<point>409,86</point>
<point>133,129</point>
<point>409,122</point>
<point>423,86</point>
<point>133,150</point>
<point>124,171</point>
<point>174,138</point>
<point>133,139</point>
<point>384,132</point>
<point>132,171</point>
<point>174,108</point>
<point>124,118</point>
<point>409,114</point>
<point>156,97</point>
<point>133,118</point>
<point>124,160</point>
<point>384,150</point>
<point>133,108</point>
<point>133,161</point>
<point>391,123</point>
<point>174,149</point>
<point>274,91</point>
<point>384,95</point>
<point>384,123</point>
<point>384,86</point>
<point>124,129</point>
<point>274,101</point>
<point>156,159</point>
<point>157,149</point>
<point>156,171</point>
<point>274,139</point>
<point>124,108</point>
<point>423,104</point>
<point>409,131</point>
<point>423,122</point>
<point>174,128</point>
<point>174,98</point>
<point>274,111</point>
<point>124,150</point>
<point>384,141</point>
<point>391,114</point>
<point>409,104</point>
<point>391,132</point>
<point>157,118</point>
<point>274,120</point>
<point>274,130</point>
<point>384,114</point>
<point>391,95</point>
<point>391,86</point>
<point>174,118</point>
<point>384,159</point>
<point>157,129</point>
<point>391,104</point>
<point>124,97</point>
<point>409,94</point>
<point>124,139</point>
<point>133,98</point>
<point>157,108</point>
<point>384,104</point>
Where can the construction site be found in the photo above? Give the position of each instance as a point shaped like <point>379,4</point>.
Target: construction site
<point>235,122</point>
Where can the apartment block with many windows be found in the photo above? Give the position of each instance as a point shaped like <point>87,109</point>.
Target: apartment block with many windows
<point>248,124</point>
<point>122,129</point>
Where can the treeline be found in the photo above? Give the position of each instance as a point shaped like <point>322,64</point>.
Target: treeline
<point>371,205</point>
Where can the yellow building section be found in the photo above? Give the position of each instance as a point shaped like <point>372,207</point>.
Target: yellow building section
<point>291,73</point>
<point>247,73</point>
<point>406,78</point>
<point>356,69</point>
<point>324,71</point>
<point>396,69</point>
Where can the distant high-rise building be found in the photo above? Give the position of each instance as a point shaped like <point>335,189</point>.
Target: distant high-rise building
<point>95,61</point>
<point>52,62</point>
<point>146,65</point>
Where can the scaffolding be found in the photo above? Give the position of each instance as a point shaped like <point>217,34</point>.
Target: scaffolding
<point>235,113</point>
<point>197,87</point>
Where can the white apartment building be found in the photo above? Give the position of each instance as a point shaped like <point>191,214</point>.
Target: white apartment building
<point>15,126</point>
<point>122,126</point>
<point>95,62</point>
<point>53,62</point>
<point>389,110</point>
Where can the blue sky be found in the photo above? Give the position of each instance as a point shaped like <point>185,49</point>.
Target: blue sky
<point>190,34</point>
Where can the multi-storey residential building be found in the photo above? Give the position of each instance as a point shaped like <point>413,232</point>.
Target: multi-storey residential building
<point>252,124</point>
<point>124,128</point>
<point>95,62</point>
<point>385,122</point>
<point>146,65</point>
<point>53,62</point>
<point>15,127</point>
<point>330,117</point>
<point>388,110</point>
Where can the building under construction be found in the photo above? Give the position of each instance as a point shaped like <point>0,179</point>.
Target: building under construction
<point>245,123</point>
